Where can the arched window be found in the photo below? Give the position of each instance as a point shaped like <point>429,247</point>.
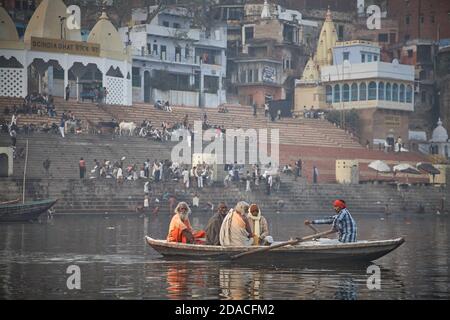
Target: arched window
<point>362,92</point>
<point>409,93</point>
<point>395,92</point>
<point>388,92</point>
<point>372,91</point>
<point>337,93</point>
<point>329,94</point>
<point>381,91</point>
<point>346,93</point>
<point>402,93</point>
<point>354,93</point>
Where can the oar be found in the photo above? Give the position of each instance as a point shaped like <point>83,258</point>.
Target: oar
<point>313,228</point>
<point>283,244</point>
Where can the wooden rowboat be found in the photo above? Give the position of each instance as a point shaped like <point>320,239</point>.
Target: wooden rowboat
<point>312,251</point>
<point>23,212</point>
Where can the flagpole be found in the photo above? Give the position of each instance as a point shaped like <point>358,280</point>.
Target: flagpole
<point>24,174</point>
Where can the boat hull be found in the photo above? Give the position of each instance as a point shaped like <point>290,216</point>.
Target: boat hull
<point>327,253</point>
<point>25,212</point>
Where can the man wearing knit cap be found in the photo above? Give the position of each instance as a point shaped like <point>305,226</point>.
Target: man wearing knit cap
<point>235,229</point>
<point>343,222</point>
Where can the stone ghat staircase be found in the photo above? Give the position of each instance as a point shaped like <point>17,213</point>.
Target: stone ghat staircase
<point>304,132</point>
<point>65,154</point>
<point>316,142</point>
<point>107,197</point>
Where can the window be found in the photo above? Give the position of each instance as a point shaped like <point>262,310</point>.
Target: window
<point>409,92</point>
<point>363,58</point>
<point>354,93</point>
<point>395,92</point>
<point>329,94</point>
<point>176,25</point>
<point>346,56</point>
<point>388,92</point>
<point>375,58</point>
<point>392,38</point>
<point>243,76</point>
<point>422,19</point>
<point>362,92</point>
<point>372,91</point>
<point>407,19</point>
<point>163,53</point>
<point>136,77</point>
<point>346,93</point>
<point>381,91</point>
<point>187,52</point>
<point>155,49</point>
<point>402,93</point>
<point>249,33</point>
<point>337,93</point>
<point>178,54</point>
<point>383,37</point>
<point>410,53</point>
<point>166,24</point>
<point>256,75</point>
<point>340,33</point>
<point>369,58</point>
<point>250,76</point>
<point>433,19</point>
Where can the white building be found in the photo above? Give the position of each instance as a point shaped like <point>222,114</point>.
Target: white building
<point>52,56</point>
<point>359,80</point>
<point>439,144</point>
<point>175,63</point>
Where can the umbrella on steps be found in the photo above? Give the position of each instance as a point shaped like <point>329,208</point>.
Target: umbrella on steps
<point>379,166</point>
<point>428,168</point>
<point>406,168</point>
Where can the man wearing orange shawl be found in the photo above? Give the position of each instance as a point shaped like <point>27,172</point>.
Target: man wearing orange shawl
<point>180,229</point>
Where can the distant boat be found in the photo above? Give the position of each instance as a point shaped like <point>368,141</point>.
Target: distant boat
<point>24,212</point>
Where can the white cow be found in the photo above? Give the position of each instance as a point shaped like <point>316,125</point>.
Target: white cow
<point>127,126</point>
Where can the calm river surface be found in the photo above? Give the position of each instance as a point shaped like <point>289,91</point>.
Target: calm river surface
<point>115,262</point>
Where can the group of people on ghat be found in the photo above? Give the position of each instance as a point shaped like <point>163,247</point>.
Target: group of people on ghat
<point>244,225</point>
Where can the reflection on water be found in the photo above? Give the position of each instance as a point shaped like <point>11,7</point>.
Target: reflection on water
<point>116,263</point>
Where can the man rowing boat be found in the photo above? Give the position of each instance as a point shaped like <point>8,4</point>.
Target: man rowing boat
<point>343,222</point>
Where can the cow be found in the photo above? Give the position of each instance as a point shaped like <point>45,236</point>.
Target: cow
<point>127,126</point>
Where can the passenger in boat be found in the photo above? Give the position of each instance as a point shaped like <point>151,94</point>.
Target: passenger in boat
<point>343,222</point>
<point>258,226</point>
<point>180,229</point>
<point>235,229</point>
<point>213,227</point>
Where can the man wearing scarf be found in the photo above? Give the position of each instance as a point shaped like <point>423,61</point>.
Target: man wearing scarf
<point>343,222</point>
<point>258,225</point>
<point>235,229</point>
<point>180,229</point>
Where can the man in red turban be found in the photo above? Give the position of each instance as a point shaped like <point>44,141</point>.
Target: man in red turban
<point>342,222</point>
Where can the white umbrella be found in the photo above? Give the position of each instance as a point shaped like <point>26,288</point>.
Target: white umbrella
<point>379,166</point>
<point>406,168</point>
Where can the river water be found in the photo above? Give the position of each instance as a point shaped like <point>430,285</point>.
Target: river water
<point>115,263</point>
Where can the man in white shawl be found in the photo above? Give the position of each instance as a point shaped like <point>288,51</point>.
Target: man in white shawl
<point>259,226</point>
<point>235,229</point>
